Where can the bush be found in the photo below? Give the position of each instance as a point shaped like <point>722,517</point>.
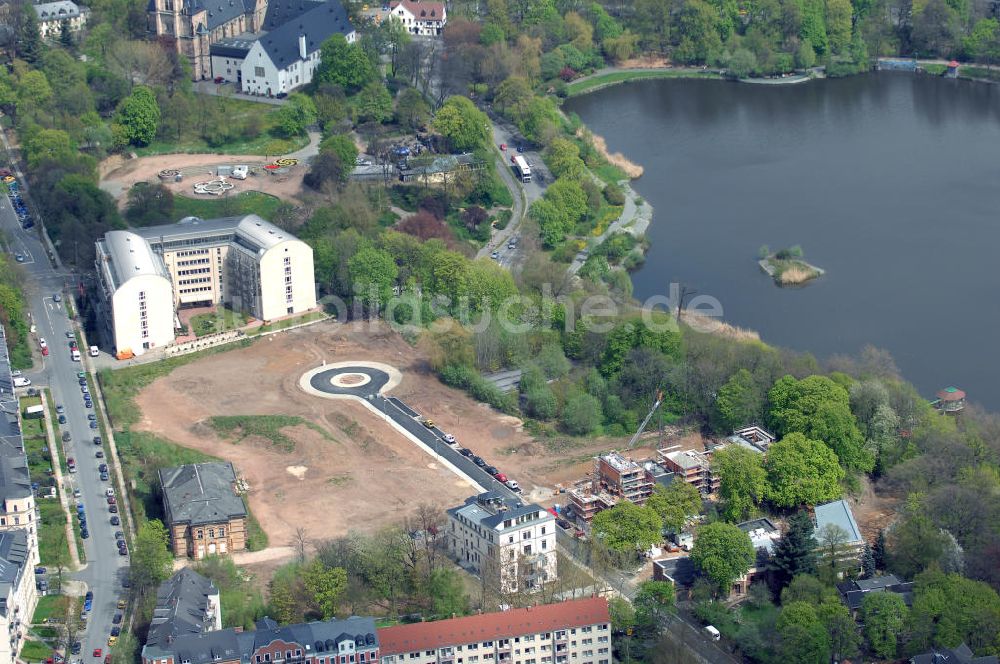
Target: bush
<point>614,195</point>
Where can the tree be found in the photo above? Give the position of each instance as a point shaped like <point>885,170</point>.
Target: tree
<point>804,639</point>
<point>552,221</point>
<point>151,558</point>
<point>581,415</point>
<point>344,64</point>
<point>653,601</point>
<point>868,568</point>
<point>567,195</point>
<point>138,118</point>
<point>801,471</point>
<point>949,609</point>
<point>447,593</point>
<point>914,542</point>
<point>840,627</point>
<point>838,24</point>
<point>723,553</point>
<point>326,585</point>
<point>698,32</point>
<point>832,539</point>
<point>373,272</point>
<point>327,170</point>
<point>983,42</point>
<point>742,63</point>
<point>878,550</point>
<point>563,158</point>
<point>374,103</point>
<point>675,504</point>
<point>463,125</point>
<point>297,113</point>
<point>742,481</point>
<point>820,409</point>
<point>805,56</point>
<point>29,39</point>
<point>150,204</point>
<point>795,553</point>
<point>884,615</point>
<point>412,110</point>
<point>627,527</point>
<point>740,401</point>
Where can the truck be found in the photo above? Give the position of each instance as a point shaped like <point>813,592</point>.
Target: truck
<point>521,167</point>
<point>34,412</point>
<point>75,354</point>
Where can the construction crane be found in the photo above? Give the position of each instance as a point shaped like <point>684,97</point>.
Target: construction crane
<point>642,427</point>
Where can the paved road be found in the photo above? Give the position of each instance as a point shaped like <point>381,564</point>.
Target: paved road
<point>506,134</point>
<point>105,569</point>
<point>407,418</point>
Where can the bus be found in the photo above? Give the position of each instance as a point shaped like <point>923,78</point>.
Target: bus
<point>522,167</point>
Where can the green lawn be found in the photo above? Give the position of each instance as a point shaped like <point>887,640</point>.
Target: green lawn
<point>617,77</point>
<point>980,72</point>
<point>269,427</point>
<point>35,651</point>
<point>218,321</point>
<point>121,385</point>
<point>246,202</point>
<point>286,323</point>
<point>50,606</point>
<point>257,121</point>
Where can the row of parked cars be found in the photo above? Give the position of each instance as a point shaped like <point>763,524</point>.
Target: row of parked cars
<point>14,193</point>
<point>475,458</point>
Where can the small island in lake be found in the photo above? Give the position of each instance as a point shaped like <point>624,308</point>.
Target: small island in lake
<point>787,267</point>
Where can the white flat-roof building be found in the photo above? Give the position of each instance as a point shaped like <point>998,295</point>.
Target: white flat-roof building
<point>510,543</point>
<point>246,263</point>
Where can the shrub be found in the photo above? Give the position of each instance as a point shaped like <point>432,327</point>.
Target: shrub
<point>614,195</point>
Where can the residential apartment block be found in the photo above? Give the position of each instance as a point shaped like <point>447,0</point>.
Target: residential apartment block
<point>18,523</point>
<point>350,641</point>
<point>838,514</point>
<point>204,514</point>
<point>691,466</point>
<point>420,17</point>
<point>52,16</point>
<point>571,632</point>
<point>615,478</point>
<point>186,603</point>
<point>510,543</point>
<point>246,263</point>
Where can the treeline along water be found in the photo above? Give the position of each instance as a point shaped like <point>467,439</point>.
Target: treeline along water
<point>890,182</point>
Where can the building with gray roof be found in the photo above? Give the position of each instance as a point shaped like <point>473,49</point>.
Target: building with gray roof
<point>52,16</point>
<point>354,639</point>
<point>203,511</point>
<point>831,518</point>
<point>186,603</point>
<point>244,262</point>
<point>512,545</point>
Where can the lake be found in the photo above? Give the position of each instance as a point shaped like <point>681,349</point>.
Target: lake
<point>889,181</point>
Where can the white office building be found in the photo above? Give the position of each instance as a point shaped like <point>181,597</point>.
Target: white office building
<point>245,263</point>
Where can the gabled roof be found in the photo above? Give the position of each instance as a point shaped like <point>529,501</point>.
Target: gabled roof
<point>491,509</point>
<point>838,513</point>
<point>13,558</point>
<point>853,592</point>
<point>280,12</point>
<point>201,493</point>
<point>489,626</point>
<point>219,12</point>
<point>56,11</point>
<point>318,24</point>
<point>960,655</point>
<point>422,11</point>
<point>181,607</point>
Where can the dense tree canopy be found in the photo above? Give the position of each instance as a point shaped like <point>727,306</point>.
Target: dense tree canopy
<point>627,527</point>
<point>723,553</point>
<point>801,471</point>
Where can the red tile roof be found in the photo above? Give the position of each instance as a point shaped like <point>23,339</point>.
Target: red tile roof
<point>423,11</point>
<point>493,626</point>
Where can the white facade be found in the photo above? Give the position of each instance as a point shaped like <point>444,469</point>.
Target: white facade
<point>18,594</point>
<point>259,75</point>
<point>246,263</point>
<point>426,19</point>
<point>138,292</point>
<point>52,15</point>
<point>513,544</point>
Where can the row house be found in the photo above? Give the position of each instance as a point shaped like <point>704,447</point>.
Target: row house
<point>571,632</point>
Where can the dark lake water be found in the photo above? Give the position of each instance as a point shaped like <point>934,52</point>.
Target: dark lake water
<point>891,182</point>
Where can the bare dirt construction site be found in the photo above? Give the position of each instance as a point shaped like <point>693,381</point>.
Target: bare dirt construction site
<point>349,470</point>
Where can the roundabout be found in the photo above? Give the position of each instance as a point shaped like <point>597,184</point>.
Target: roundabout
<point>358,380</point>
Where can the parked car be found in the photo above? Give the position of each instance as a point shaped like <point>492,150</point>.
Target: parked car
<point>39,570</point>
<point>448,438</point>
<point>119,535</point>
<point>62,419</point>
<point>500,477</point>
<point>564,524</point>
<point>91,417</point>
<point>67,436</point>
<point>115,521</point>
<point>93,424</point>
<point>116,630</point>
<point>104,477</point>
<point>97,440</point>
<point>479,461</point>
<point>89,595</point>
<point>59,407</point>
<point>492,470</point>
<point>513,486</point>
<point>84,533</point>
<point>429,423</point>
<point>100,454</point>
<point>113,509</point>
<point>117,618</point>
<point>97,652</point>
<point>466,452</point>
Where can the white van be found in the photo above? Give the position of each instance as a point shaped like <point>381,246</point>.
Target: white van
<point>93,351</point>
<point>240,172</point>
<point>21,381</point>
<point>713,633</point>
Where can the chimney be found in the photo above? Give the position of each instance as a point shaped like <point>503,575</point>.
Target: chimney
<point>302,47</point>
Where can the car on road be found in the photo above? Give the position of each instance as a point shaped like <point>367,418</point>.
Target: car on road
<point>84,533</point>
<point>492,470</point>
<point>448,438</point>
<point>91,417</point>
<point>499,477</point>
<point>93,424</point>
<point>429,423</point>
<point>97,440</point>
<point>89,595</point>
<point>123,551</point>
<point>39,570</point>
<point>495,255</point>
<point>69,334</point>
<point>115,521</point>
<point>82,380</point>
<point>107,658</point>
<point>99,454</point>
<point>513,486</point>
<point>75,648</point>
<point>76,493</point>
<point>67,436</point>
<point>57,297</point>
<point>98,652</point>
<point>42,343</point>
<point>84,389</point>
<point>479,461</point>
<point>112,640</point>
<point>113,509</point>
<point>115,631</point>
<point>111,500</point>
<point>45,351</point>
<point>104,477</point>
<point>60,409</point>
<point>466,452</point>
<point>564,524</point>
<point>19,258</point>
<point>121,604</point>
<point>72,344</point>
<point>88,403</point>
<point>119,535</point>
<point>62,419</point>
<point>103,468</point>
<point>109,492</point>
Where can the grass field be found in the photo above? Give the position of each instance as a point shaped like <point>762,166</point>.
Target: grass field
<point>219,321</point>
<point>269,427</point>
<point>254,120</point>
<point>121,385</point>
<point>35,651</point>
<point>286,323</point>
<point>50,606</point>
<point>617,77</point>
<point>246,202</point>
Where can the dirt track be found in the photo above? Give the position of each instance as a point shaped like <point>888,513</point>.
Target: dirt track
<point>369,476</point>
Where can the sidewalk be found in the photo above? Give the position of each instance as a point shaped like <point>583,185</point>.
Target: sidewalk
<point>50,436</point>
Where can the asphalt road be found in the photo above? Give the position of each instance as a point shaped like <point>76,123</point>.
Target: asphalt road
<point>105,569</point>
<point>407,418</point>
